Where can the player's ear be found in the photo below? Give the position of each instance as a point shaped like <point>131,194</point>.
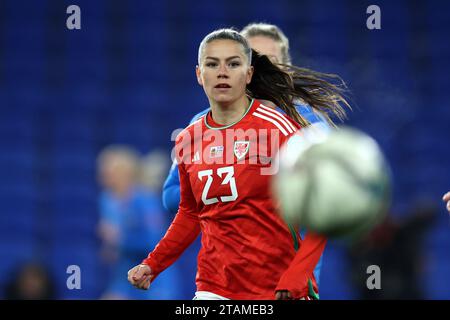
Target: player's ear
<point>198,73</point>
<point>250,74</point>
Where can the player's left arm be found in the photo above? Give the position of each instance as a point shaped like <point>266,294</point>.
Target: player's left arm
<point>297,282</point>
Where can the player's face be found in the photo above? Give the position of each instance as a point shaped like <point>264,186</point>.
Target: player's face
<point>224,71</point>
<point>116,174</point>
<point>268,47</point>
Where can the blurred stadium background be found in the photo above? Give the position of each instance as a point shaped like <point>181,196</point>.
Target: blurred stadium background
<point>128,77</point>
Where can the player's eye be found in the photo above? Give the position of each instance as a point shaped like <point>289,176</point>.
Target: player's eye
<point>211,64</point>
<point>234,64</point>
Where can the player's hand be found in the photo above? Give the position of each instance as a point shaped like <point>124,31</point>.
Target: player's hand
<point>140,276</point>
<point>283,295</point>
<point>286,295</point>
<point>446,198</point>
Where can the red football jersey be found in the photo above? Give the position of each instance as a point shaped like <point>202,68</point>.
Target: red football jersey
<point>247,250</point>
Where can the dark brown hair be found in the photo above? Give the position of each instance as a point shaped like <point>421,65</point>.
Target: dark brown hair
<point>285,84</point>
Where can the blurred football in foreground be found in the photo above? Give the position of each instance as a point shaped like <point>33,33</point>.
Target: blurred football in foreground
<point>336,184</point>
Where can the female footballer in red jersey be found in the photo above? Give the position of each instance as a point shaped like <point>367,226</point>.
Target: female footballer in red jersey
<point>225,159</point>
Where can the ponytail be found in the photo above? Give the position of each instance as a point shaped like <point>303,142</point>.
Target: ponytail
<point>283,84</point>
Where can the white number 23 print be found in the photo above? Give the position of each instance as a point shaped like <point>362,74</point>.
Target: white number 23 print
<point>229,179</point>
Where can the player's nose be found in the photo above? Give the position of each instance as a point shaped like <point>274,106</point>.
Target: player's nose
<point>222,72</point>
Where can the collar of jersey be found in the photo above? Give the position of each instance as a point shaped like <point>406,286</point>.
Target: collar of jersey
<point>230,125</point>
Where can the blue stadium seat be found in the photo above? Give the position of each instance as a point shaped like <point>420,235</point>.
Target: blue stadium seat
<point>436,277</point>
<point>334,263</point>
<point>87,259</point>
<point>14,250</point>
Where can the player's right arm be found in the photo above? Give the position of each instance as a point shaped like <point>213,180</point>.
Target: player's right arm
<point>182,232</point>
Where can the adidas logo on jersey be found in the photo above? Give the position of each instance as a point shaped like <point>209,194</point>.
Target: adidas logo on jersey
<point>196,157</point>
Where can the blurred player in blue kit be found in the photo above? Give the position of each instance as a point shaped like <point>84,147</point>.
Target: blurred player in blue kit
<point>131,219</point>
